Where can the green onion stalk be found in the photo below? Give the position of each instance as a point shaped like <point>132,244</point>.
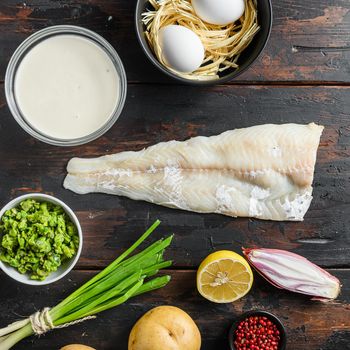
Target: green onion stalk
<point>124,278</point>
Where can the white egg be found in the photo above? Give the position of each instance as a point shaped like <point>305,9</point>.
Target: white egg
<point>182,49</point>
<point>219,12</point>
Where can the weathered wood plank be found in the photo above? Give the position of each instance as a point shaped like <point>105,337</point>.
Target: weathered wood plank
<point>309,324</point>
<point>155,114</point>
<point>296,22</point>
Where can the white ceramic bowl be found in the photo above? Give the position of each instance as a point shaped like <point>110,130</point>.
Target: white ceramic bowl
<point>64,268</point>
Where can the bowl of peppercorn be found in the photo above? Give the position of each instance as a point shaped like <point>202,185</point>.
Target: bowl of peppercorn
<point>257,330</point>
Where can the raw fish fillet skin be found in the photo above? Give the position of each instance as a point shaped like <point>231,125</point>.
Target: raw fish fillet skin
<point>264,171</point>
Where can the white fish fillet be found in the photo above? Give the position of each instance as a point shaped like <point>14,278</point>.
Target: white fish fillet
<point>264,171</point>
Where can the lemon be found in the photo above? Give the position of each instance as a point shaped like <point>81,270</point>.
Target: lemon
<point>224,277</point>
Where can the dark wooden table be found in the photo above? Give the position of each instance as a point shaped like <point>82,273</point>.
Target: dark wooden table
<point>284,85</point>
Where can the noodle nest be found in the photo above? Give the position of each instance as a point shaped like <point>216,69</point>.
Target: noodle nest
<point>223,44</point>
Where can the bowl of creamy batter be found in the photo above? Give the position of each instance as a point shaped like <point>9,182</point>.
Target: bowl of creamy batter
<point>65,85</point>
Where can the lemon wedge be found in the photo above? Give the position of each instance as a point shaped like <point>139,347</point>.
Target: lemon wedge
<point>224,277</point>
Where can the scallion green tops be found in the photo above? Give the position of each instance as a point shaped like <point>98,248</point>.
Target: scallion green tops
<point>126,277</point>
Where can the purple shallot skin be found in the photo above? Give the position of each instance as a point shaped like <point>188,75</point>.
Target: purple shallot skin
<point>293,272</point>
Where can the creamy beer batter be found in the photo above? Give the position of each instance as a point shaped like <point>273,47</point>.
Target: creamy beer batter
<point>67,87</point>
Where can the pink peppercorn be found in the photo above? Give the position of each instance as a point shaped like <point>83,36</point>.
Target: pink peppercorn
<point>256,333</point>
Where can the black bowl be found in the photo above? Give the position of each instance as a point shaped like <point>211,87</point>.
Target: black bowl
<point>271,317</point>
<point>250,54</point>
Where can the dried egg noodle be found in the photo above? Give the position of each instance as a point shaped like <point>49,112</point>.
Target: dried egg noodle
<point>223,44</point>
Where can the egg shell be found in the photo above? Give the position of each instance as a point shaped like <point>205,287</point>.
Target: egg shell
<point>181,48</point>
<point>220,12</point>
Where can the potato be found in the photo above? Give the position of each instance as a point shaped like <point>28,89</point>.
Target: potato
<point>77,347</point>
<point>165,328</point>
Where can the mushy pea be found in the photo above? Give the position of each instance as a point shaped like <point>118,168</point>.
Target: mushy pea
<point>37,237</point>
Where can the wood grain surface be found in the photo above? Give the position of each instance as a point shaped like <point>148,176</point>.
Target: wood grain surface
<point>111,223</point>
<point>286,84</point>
<point>310,325</point>
<point>314,23</point>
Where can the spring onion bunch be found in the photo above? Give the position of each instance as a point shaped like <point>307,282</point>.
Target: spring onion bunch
<point>124,278</point>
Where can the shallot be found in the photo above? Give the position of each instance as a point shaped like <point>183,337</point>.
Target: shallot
<point>293,272</point>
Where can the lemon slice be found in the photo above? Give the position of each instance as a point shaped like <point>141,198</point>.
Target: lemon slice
<point>224,277</point>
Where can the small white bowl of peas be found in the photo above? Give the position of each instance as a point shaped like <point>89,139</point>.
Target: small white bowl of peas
<point>40,239</point>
